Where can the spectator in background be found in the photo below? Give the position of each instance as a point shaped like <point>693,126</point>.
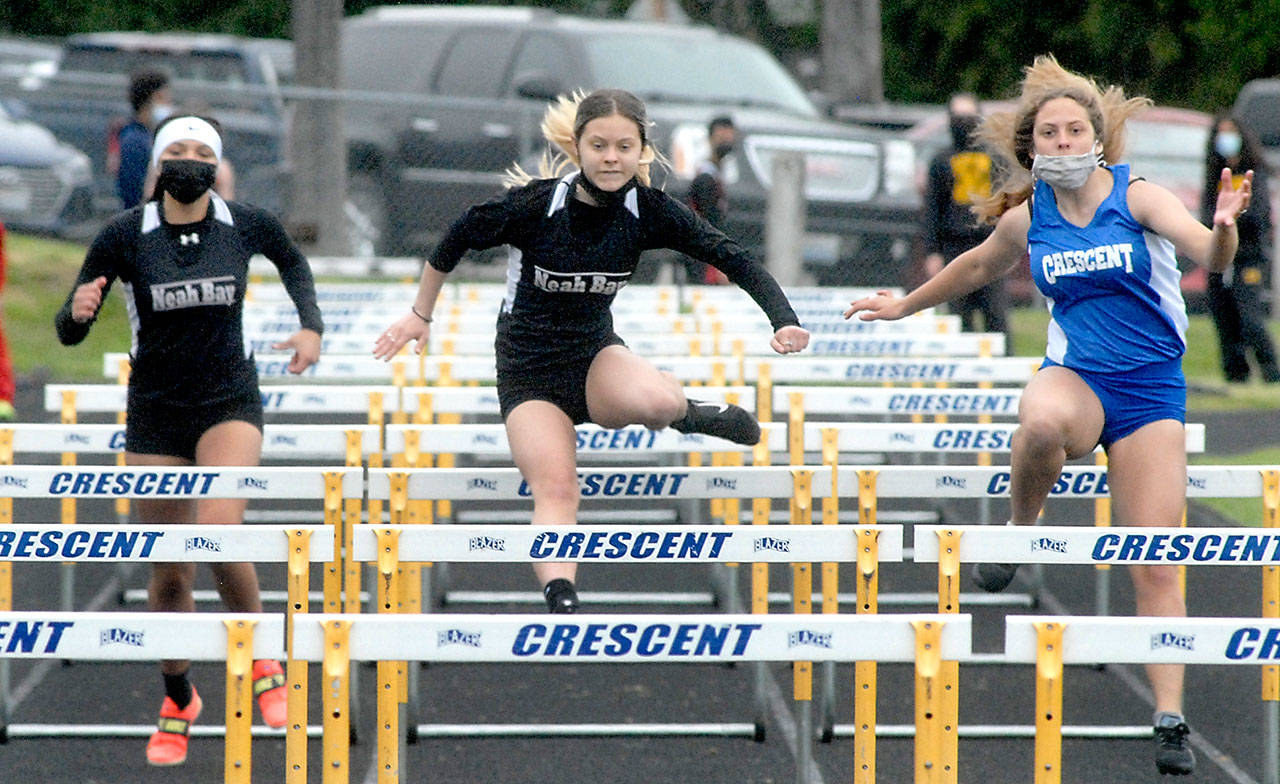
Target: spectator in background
<point>1235,295</point>
<point>7,384</point>
<point>707,194</point>
<point>959,177</point>
<point>152,104</point>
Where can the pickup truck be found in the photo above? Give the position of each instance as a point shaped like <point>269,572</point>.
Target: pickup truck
<point>233,79</point>
<point>441,99</point>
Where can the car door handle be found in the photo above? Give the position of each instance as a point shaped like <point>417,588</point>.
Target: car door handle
<point>496,130</point>
<point>425,125</point>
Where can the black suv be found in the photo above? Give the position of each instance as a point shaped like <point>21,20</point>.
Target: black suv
<point>441,99</point>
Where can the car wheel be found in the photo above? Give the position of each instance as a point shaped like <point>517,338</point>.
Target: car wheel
<point>365,211</point>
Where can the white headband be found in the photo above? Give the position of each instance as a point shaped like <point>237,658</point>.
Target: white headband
<point>192,128</point>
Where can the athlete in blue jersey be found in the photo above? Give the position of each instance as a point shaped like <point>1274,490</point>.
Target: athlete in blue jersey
<point>577,240</point>
<point>1101,247</point>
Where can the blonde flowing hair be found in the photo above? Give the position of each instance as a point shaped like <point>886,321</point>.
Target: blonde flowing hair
<point>562,126</point>
<point>1008,135</point>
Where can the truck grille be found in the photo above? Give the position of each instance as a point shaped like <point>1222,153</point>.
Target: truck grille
<point>30,193</point>
<point>835,169</point>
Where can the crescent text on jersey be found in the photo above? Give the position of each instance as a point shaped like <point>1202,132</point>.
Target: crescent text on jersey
<point>1076,262</point>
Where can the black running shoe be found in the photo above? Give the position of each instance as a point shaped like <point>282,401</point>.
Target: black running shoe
<point>561,596</point>
<point>1173,754</point>
<point>994,577</point>
<point>722,420</point>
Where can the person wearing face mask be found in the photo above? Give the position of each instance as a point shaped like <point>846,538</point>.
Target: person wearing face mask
<point>707,193</point>
<point>1102,247</point>
<point>959,177</point>
<point>152,103</point>
<point>193,398</point>
<point>576,238</point>
<point>1235,298</point>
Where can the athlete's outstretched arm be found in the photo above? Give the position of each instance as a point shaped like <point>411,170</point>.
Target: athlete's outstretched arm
<point>416,324</point>
<point>1162,212</point>
<point>969,271</point>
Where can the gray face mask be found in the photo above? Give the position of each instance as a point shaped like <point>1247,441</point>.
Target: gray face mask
<point>1064,171</point>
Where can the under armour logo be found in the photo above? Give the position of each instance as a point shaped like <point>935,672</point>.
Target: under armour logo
<point>189,239</point>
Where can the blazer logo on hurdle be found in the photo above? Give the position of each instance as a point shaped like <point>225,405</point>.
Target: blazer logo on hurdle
<point>281,439</point>
<point>951,481</point>
<point>121,636</point>
<point>494,543</point>
<point>76,438</point>
<point>13,481</point>
<point>1197,482</point>
<point>1047,545</point>
<point>458,637</point>
<point>721,483</point>
<point>203,544</point>
<point>1182,642</point>
<point>484,438</point>
<point>772,543</point>
<point>810,638</point>
<point>479,483</point>
<point>257,483</point>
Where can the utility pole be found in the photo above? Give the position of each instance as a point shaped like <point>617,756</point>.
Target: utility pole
<point>852,51</point>
<point>318,143</point>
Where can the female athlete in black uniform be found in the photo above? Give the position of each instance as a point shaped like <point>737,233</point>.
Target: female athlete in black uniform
<point>559,362</point>
<point>182,260</point>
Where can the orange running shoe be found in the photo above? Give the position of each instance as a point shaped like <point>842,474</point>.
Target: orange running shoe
<point>168,744</point>
<point>268,687</point>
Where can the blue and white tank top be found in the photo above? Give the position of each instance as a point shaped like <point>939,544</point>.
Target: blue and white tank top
<point>1111,286</point>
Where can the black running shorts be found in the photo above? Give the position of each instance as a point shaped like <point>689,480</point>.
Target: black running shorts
<point>160,428</point>
<point>559,379</point>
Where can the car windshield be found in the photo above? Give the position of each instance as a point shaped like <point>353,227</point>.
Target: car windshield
<point>225,68</point>
<point>716,70</point>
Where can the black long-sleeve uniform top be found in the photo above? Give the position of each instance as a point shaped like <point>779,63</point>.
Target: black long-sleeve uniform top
<point>574,258</point>
<point>184,286</point>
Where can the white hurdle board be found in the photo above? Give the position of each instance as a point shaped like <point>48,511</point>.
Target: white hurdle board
<point>1149,640</point>
<point>55,542</point>
<point>1045,544</point>
<point>850,401</point>
<point>592,440</point>
<point>608,638</point>
<point>276,398</point>
<point>120,636</point>
<point>163,482</point>
<point>627,544</point>
<point>279,442</point>
<point>608,483</point>
<point>932,438</point>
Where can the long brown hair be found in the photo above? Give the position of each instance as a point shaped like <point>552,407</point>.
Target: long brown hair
<point>1008,135</point>
<point>562,126</point>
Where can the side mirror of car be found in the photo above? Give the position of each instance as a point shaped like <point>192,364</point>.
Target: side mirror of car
<point>538,86</point>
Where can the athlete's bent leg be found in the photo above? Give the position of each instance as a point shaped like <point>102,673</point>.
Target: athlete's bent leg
<point>624,389</point>
<point>1059,417</point>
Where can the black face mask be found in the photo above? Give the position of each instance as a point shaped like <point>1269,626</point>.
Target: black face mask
<point>605,198</point>
<point>185,179</point>
<point>722,151</point>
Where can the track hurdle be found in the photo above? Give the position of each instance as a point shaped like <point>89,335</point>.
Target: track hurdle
<point>949,546</point>
<point>618,484</point>
<point>1051,642</point>
<point>295,547</point>
<point>237,639</point>
<point>338,640</point>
